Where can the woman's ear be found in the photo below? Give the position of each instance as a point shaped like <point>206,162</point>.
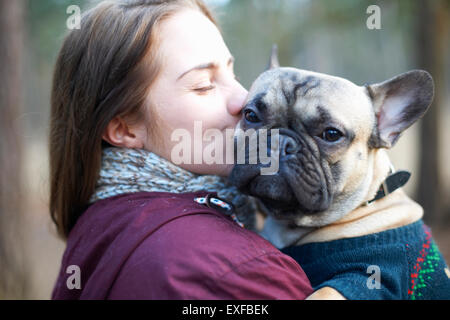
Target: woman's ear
<point>118,133</point>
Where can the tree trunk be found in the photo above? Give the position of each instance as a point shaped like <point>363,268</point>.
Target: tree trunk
<point>432,35</point>
<point>12,277</point>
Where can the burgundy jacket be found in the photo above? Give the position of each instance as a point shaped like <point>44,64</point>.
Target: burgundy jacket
<point>154,245</point>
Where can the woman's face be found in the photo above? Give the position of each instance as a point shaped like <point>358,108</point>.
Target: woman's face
<point>196,86</point>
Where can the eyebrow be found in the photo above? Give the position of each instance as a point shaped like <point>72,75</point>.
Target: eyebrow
<point>206,66</point>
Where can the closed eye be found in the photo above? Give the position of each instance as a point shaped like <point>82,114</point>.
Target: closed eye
<point>205,89</point>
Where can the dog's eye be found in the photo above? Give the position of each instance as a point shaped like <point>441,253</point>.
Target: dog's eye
<point>251,116</point>
<point>331,135</point>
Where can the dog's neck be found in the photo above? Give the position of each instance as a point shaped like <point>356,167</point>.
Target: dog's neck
<point>381,168</point>
<point>392,211</point>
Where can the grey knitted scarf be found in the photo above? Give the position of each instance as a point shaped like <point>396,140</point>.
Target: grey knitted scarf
<point>134,170</point>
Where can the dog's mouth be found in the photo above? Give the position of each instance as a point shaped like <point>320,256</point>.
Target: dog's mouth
<point>274,192</point>
<point>281,204</point>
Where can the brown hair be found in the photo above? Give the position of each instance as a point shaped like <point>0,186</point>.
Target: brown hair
<point>103,70</point>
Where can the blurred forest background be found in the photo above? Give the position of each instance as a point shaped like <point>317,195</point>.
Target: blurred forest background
<point>328,36</point>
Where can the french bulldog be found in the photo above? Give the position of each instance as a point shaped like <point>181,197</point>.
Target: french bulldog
<point>333,165</point>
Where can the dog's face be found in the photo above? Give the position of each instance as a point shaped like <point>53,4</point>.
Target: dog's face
<point>329,129</point>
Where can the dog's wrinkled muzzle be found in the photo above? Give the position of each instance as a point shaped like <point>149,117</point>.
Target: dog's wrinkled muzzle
<point>301,184</point>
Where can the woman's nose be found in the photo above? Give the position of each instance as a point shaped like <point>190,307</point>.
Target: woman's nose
<point>237,99</point>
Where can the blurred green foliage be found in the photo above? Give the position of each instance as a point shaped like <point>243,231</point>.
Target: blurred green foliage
<point>322,35</point>
<point>46,26</point>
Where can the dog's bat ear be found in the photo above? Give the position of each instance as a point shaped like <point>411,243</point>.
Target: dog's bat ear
<point>273,62</point>
<point>398,103</point>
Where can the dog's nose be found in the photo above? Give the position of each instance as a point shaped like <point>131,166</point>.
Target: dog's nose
<point>288,145</point>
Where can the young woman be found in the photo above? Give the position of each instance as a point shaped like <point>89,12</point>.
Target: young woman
<point>137,225</point>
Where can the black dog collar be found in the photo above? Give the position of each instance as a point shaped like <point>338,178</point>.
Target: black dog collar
<point>395,180</point>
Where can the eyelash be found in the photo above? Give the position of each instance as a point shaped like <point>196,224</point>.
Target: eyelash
<point>211,87</point>
<point>205,89</point>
